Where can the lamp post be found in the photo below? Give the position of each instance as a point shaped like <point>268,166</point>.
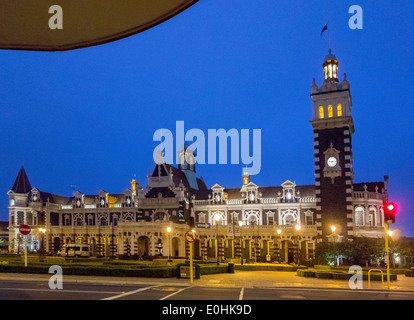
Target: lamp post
<point>241,242</point>
<point>217,217</point>
<point>279,246</point>
<point>298,227</point>
<point>169,242</point>
<point>333,229</point>
<point>42,231</point>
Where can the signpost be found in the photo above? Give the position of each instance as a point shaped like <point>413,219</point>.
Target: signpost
<point>203,225</point>
<point>25,230</point>
<point>191,237</point>
<point>58,25</point>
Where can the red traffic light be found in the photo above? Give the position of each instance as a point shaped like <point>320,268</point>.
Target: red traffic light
<point>389,212</point>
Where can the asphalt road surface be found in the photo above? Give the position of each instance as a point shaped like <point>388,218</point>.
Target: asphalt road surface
<point>39,290</point>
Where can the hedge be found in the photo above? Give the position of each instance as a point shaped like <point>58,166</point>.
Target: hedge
<point>323,275</point>
<point>342,275</point>
<point>268,268</point>
<point>160,272</point>
<point>306,273</point>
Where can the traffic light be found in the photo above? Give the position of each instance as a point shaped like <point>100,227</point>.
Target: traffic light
<point>389,212</point>
<point>192,222</point>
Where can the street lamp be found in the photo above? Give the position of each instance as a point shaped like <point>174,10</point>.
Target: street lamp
<point>42,231</point>
<point>217,217</point>
<point>333,229</point>
<point>279,245</point>
<point>169,242</point>
<point>241,242</point>
<point>298,227</point>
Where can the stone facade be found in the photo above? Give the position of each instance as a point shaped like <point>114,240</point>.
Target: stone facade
<point>275,224</point>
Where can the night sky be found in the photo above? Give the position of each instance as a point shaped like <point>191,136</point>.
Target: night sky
<point>87,117</point>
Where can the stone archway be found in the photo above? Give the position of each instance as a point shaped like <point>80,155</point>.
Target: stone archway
<point>143,245</point>
<point>175,247</point>
<point>56,245</point>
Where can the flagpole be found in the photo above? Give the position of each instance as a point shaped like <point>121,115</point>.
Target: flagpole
<point>329,35</point>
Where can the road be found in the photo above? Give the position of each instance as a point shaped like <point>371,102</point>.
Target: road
<point>39,290</point>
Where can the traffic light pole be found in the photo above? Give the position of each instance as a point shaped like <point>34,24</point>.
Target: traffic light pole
<point>191,263</point>
<point>387,254</point>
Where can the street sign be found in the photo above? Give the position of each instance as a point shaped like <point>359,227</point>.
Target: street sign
<point>25,229</point>
<point>57,25</point>
<point>190,236</point>
<point>203,225</point>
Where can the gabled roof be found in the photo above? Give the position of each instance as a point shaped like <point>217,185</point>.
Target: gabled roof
<point>22,183</point>
<point>178,178</point>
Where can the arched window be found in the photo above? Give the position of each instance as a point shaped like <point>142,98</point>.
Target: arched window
<point>252,220</point>
<point>289,220</point>
<point>359,216</point>
<point>339,110</point>
<point>103,221</point>
<point>372,217</point>
<point>78,221</point>
<point>160,216</point>
<point>321,113</point>
<point>330,111</point>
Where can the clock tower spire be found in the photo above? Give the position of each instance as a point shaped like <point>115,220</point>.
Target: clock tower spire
<point>333,128</point>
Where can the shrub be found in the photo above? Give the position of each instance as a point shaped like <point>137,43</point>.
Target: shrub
<point>323,275</point>
<point>341,276</point>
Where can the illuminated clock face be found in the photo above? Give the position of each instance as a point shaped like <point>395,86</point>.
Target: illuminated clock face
<point>128,201</point>
<point>102,202</point>
<point>332,162</point>
<point>78,203</point>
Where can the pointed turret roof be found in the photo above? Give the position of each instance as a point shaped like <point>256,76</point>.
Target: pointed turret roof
<point>22,184</point>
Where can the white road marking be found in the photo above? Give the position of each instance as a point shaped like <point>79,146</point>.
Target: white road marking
<point>337,290</point>
<point>174,293</point>
<point>129,293</point>
<point>241,294</point>
<point>50,290</point>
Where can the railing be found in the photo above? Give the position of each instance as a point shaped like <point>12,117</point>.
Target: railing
<point>367,195</point>
<point>269,200</point>
<point>202,202</point>
<point>234,201</point>
<point>66,207</point>
<point>90,206</point>
<point>240,201</point>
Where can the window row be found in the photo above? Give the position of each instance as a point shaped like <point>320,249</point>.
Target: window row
<point>330,112</point>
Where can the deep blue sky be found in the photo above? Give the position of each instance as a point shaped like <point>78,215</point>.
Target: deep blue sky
<point>87,117</point>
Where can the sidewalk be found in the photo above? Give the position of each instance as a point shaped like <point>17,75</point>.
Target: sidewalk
<point>240,279</point>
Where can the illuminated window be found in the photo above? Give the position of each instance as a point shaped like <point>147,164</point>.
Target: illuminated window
<point>330,111</point>
<point>326,72</point>
<point>321,113</point>
<point>339,110</point>
<point>335,71</point>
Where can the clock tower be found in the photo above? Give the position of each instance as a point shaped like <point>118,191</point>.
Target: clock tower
<point>333,128</point>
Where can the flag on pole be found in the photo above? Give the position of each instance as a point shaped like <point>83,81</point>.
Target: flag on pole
<point>324,29</point>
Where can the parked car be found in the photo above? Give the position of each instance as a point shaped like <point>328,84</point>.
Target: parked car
<point>75,250</point>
